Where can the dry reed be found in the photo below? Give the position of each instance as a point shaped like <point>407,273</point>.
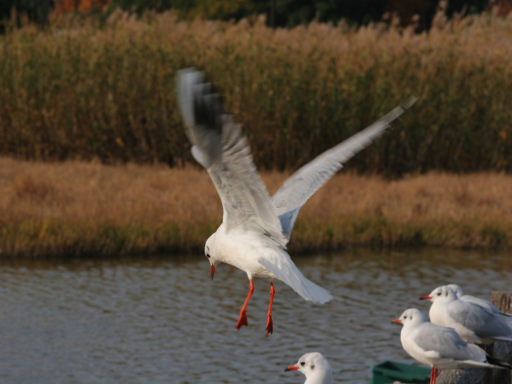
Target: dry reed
<point>85,90</point>
<point>86,208</point>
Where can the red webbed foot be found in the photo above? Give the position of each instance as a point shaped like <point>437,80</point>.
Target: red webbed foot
<point>270,325</point>
<point>242,320</point>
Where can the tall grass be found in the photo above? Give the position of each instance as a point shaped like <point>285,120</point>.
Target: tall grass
<point>83,90</point>
<point>85,208</point>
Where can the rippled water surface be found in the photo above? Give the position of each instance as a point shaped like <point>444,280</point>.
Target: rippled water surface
<point>162,320</point>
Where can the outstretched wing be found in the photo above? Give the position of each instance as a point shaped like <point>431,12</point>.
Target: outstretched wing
<point>220,147</point>
<point>294,193</point>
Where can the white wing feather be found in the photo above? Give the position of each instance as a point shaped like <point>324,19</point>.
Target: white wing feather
<point>220,147</point>
<point>307,180</point>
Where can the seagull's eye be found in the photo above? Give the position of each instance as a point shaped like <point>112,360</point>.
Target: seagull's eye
<point>439,293</point>
<point>312,366</point>
<point>405,317</point>
<point>303,363</point>
<point>208,255</point>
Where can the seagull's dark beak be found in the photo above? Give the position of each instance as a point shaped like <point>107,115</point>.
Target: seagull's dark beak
<point>291,368</point>
<point>396,321</point>
<point>212,271</point>
<point>426,297</point>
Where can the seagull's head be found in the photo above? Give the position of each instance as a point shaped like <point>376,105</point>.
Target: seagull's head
<point>209,251</point>
<point>314,366</point>
<point>441,294</point>
<point>457,289</point>
<point>410,316</point>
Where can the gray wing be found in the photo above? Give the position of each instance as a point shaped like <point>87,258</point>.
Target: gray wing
<point>483,303</point>
<point>447,343</point>
<point>307,180</point>
<point>483,323</point>
<point>220,147</point>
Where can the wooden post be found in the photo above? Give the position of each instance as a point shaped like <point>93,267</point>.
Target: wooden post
<point>502,300</point>
<point>501,350</point>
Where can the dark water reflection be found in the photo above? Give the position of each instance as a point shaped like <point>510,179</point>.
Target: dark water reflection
<point>161,320</point>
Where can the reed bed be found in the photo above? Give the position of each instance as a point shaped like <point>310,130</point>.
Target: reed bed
<point>91,89</point>
<point>78,208</point>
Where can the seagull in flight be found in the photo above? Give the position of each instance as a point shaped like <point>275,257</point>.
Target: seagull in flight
<point>256,228</point>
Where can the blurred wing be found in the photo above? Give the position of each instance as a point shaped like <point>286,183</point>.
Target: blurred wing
<point>307,180</point>
<point>220,147</point>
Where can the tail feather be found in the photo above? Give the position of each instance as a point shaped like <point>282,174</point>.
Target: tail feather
<point>285,270</point>
<point>315,293</point>
<point>474,364</point>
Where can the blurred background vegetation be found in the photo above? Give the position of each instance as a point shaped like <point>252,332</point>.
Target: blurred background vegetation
<point>102,86</point>
<point>282,13</point>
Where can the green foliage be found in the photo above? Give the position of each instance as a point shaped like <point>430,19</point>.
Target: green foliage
<point>226,9</point>
<point>35,10</point>
<point>140,6</point>
<point>288,13</point>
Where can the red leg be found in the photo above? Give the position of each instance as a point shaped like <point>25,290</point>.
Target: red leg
<point>270,327</point>
<point>431,374</point>
<point>434,373</point>
<point>242,320</point>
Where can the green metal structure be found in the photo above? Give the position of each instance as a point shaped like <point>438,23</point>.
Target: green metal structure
<point>389,372</point>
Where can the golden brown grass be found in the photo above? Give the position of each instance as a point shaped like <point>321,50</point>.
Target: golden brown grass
<point>86,208</point>
<point>84,90</point>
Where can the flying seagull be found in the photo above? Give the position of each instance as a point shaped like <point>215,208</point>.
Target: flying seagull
<point>255,228</point>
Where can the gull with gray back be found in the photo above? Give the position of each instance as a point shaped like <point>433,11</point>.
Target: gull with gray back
<point>440,347</point>
<point>472,322</point>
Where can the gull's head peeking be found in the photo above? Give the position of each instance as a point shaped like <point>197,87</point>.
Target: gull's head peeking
<point>411,316</point>
<point>441,294</point>
<point>315,367</point>
<point>457,289</point>
<point>209,252</point>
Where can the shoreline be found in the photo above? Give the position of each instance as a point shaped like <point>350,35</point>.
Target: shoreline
<point>87,209</point>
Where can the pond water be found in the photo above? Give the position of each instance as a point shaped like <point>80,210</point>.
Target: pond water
<point>162,320</point>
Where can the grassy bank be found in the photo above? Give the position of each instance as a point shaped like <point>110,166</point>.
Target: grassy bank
<point>84,208</point>
<point>85,89</point>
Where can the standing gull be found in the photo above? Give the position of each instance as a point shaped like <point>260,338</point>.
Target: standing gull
<point>315,367</point>
<point>473,323</point>
<point>255,228</point>
<point>440,347</point>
